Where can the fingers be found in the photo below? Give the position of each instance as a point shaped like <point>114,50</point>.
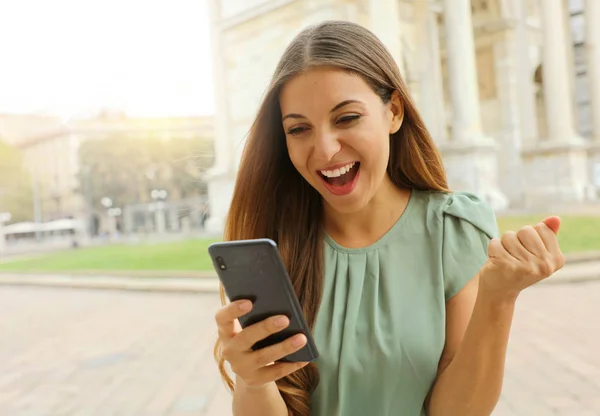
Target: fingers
<point>512,244</point>
<point>255,368</point>
<point>260,367</point>
<point>553,223</point>
<point>538,241</point>
<point>227,315</point>
<point>532,241</point>
<point>259,331</point>
<point>536,246</point>
<point>495,248</point>
<point>268,355</point>
<point>548,237</point>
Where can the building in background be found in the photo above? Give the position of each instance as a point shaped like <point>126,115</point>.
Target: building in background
<point>501,84</point>
<point>50,149</point>
<point>16,127</point>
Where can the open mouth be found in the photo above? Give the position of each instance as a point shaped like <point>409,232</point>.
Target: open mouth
<point>341,181</point>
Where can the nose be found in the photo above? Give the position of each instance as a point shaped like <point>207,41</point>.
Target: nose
<point>326,145</point>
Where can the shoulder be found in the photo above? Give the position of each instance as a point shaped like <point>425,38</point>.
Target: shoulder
<point>456,210</point>
<point>468,224</point>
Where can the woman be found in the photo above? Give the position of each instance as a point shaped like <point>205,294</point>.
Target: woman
<point>409,295</point>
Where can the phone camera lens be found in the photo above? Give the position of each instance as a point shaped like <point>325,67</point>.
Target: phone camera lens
<point>221,263</point>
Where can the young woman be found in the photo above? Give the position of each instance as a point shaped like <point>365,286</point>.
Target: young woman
<point>409,294</point>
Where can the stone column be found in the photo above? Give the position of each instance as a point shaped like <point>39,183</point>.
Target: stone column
<point>556,168</point>
<point>222,142</point>
<point>384,22</point>
<point>431,103</point>
<point>525,71</point>
<point>462,72</point>
<point>592,40</point>
<point>515,89</point>
<point>509,136</point>
<point>556,73</point>
<point>470,156</point>
<point>221,177</point>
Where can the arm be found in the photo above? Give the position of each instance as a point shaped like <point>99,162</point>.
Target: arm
<point>471,369</point>
<point>472,366</point>
<point>259,401</point>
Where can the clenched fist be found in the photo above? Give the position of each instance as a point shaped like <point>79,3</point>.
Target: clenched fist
<point>519,260</point>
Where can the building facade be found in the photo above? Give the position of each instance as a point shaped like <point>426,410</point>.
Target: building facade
<point>496,81</point>
<point>51,154</point>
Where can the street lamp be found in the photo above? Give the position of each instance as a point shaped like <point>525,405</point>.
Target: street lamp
<point>106,202</point>
<point>113,213</point>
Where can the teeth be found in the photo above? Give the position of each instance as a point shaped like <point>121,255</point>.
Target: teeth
<point>338,172</point>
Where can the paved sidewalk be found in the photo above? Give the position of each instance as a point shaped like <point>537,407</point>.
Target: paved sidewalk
<point>117,353</point>
<point>571,273</point>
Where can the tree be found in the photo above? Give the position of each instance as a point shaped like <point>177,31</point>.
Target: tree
<point>16,196</point>
<point>188,160</point>
<point>126,169</point>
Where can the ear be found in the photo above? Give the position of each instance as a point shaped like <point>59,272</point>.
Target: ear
<point>396,108</point>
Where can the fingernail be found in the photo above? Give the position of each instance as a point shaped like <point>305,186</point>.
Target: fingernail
<point>245,306</point>
<point>298,340</point>
<point>281,321</point>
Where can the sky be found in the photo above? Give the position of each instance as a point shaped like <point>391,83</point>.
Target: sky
<point>72,57</point>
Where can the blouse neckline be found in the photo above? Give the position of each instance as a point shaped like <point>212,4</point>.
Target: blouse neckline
<point>383,240</point>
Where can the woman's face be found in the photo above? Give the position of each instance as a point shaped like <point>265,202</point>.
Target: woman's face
<point>337,133</point>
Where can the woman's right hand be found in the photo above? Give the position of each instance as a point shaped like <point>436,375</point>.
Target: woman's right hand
<point>256,368</point>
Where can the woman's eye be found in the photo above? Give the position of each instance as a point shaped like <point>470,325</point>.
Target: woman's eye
<point>295,131</point>
<point>348,119</point>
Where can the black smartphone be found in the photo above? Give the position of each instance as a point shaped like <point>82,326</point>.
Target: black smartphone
<point>254,270</point>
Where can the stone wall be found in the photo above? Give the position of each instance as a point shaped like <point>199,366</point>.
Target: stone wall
<point>255,33</point>
<point>254,46</point>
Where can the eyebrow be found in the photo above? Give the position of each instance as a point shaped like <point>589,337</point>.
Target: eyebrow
<point>337,107</point>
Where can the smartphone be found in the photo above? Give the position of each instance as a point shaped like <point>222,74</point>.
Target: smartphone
<point>254,270</point>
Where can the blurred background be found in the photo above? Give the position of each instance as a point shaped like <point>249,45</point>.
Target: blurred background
<point>121,128</point>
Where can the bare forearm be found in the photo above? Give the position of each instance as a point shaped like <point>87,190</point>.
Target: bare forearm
<point>472,382</point>
<point>265,401</point>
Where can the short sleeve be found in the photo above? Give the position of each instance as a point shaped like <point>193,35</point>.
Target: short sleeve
<point>469,225</point>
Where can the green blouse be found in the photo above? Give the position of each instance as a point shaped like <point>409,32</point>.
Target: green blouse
<point>380,329</point>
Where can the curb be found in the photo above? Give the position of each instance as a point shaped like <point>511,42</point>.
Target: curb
<point>162,285</point>
<point>582,257</point>
<point>575,273</point>
<point>138,274</point>
<point>572,273</point>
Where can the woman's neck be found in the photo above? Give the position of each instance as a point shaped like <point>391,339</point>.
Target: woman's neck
<point>363,228</point>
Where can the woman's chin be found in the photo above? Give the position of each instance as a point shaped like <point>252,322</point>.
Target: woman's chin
<point>350,204</point>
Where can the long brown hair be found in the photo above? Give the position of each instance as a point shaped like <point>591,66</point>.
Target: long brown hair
<point>272,200</point>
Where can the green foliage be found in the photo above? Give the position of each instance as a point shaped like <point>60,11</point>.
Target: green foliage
<point>189,255</point>
<point>126,169</point>
<point>16,194</point>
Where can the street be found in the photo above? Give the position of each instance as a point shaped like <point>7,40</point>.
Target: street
<point>103,353</point>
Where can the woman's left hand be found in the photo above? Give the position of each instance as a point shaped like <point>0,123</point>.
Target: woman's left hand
<point>519,260</point>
